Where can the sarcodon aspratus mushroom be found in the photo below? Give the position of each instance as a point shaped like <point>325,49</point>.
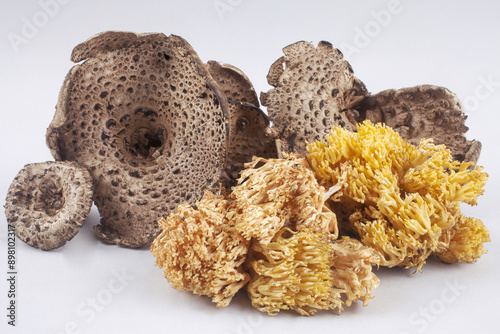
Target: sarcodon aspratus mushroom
<point>144,115</point>
<point>48,202</point>
<point>314,89</point>
<point>153,125</point>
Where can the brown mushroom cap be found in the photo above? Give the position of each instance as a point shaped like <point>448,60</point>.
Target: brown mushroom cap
<point>249,126</point>
<point>144,115</point>
<point>424,111</point>
<point>48,202</point>
<point>233,83</point>
<point>312,93</point>
<point>250,136</point>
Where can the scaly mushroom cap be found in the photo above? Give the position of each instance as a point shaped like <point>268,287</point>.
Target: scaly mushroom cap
<point>249,127</point>
<point>144,115</point>
<point>312,94</point>
<point>233,83</point>
<point>423,112</point>
<point>250,136</point>
<point>48,202</point>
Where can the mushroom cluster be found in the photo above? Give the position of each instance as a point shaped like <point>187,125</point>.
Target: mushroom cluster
<point>177,153</point>
<point>274,232</point>
<point>399,199</point>
<point>154,126</point>
<point>391,190</point>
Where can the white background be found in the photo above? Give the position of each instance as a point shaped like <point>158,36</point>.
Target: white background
<point>448,43</point>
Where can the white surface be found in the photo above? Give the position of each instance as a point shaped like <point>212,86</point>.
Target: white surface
<point>450,43</point>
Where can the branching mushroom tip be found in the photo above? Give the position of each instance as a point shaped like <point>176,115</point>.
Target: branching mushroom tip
<point>402,200</point>
<point>274,232</point>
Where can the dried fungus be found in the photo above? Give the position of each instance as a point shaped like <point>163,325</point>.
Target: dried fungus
<point>47,203</point>
<point>144,115</point>
<point>314,89</point>
<point>400,199</point>
<point>424,111</point>
<point>200,252</point>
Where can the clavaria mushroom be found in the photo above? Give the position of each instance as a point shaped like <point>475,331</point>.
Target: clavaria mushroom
<point>352,270</point>
<point>200,252</point>
<point>293,274</point>
<point>401,200</point>
<point>307,272</point>
<point>277,215</point>
<point>466,245</point>
<point>281,192</point>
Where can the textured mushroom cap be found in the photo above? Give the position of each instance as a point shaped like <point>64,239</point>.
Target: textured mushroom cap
<point>312,93</point>
<point>48,202</point>
<point>250,136</point>
<point>233,83</point>
<point>249,127</point>
<point>143,114</point>
<point>424,111</point>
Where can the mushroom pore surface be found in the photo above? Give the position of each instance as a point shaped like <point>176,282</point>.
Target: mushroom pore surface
<point>144,115</point>
<point>424,111</point>
<point>249,127</point>
<point>47,203</point>
<point>314,89</point>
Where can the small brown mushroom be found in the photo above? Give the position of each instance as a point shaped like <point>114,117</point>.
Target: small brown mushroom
<point>314,92</point>
<point>48,202</point>
<point>249,127</point>
<point>233,83</point>
<point>250,136</point>
<point>424,111</point>
<point>145,116</point>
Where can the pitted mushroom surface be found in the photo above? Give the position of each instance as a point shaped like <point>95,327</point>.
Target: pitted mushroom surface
<point>48,202</point>
<point>144,115</point>
<point>424,111</point>
<point>314,89</point>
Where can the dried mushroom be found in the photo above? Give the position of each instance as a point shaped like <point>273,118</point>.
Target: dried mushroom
<point>249,137</point>
<point>423,112</point>
<point>233,83</point>
<point>307,272</point>
<point>276,227</point>
<point>48,202</point>
<point>144,115</point>
<point>312,93</point>
<point>352,270</point>
<point>249,126</point>
<point>466,244</point>
<point>200,252</point>
<point>402,200</point>
<point>293,274</point>
<point>278,193</point>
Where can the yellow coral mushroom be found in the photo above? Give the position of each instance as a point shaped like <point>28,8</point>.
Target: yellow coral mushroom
<point>292,273</point>
<point>352,270</point>
<point>407,196</point>
<point>466,245</point>
<point>200,252</point>
<point>275,224</point>
<point>277,192</point>
<point>307,272</point>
